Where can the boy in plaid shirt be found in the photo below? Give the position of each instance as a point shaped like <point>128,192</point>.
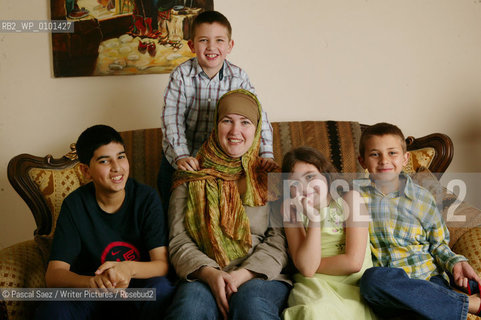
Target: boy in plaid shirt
<point>409,239</point>
<point>191,98</point>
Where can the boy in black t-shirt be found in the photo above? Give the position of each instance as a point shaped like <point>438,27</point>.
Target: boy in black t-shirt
<point>111,233</point>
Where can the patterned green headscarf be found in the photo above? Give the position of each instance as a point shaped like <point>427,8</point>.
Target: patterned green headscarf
<point>215,217</point>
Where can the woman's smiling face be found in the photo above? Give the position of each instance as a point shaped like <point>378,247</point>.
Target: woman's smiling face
<point>236,134</point>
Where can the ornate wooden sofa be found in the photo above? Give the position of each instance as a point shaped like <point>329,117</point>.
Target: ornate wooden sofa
<point>43,182</point>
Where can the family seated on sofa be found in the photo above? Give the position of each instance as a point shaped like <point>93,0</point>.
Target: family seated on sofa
<point>229,249</point>
<point>231,238</point>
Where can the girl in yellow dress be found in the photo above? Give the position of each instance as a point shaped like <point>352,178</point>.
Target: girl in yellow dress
<point>327,243</point>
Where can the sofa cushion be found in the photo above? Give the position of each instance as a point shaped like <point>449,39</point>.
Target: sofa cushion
<point>468,246</point>
<point>21,266</point>
<point>144,151</point>
<point>55,185</point>
<point>419,158</point>
<point>448,206</point>
<point>337,140</point>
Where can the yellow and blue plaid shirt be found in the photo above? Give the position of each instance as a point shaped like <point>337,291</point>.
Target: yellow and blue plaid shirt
<point>407,231</point>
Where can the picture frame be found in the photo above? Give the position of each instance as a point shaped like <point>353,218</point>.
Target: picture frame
<point>123,37</point>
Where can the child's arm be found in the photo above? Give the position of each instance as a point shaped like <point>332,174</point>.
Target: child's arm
<point>268,164</point>
<point>437,233</point>
<point>188,164</point>
<point>453,263</point>
<point>66,248</point>
<point>266,149</point>
<point>173,119</point>
<point>304,244</point>
<point>111,274</point>
<point>59,276</point>
<point>463,272</point>
<point>438,237</point>
<point>352,259</point>
<point>120,273</point>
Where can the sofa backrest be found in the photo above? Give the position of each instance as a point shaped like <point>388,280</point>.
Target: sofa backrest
<point>337,140</point>
<point>44,182</point>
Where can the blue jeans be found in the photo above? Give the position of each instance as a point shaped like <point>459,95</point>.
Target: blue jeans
<point>164,182</point>
<point>390,292</point>
<point>82,310</point>
<point>256,299</point>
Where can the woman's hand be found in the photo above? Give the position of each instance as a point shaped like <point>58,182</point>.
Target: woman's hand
<point>219,282</point>
<point>239,277</point>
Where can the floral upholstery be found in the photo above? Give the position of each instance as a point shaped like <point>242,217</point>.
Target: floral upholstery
<point>469,246</point>
<point>21,266</point>
<point>55,185</point>
<point>419,158</point>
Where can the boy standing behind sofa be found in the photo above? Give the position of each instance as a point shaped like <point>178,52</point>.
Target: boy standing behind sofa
<point>191,98</point>
<point>110,233</point>
<point>409,239</point>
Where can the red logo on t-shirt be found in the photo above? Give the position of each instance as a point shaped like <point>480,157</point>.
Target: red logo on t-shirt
<point>120,251</point>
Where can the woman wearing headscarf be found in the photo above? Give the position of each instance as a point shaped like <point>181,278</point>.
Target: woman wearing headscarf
<point>223,242</point>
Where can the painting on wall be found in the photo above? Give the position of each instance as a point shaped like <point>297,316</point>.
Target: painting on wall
<point>119,37</point>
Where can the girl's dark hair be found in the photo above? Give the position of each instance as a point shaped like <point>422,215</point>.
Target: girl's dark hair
<point>311,156</point>
<point>93,138</point>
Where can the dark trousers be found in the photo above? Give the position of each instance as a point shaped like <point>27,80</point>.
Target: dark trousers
<point>390,292</point>
<point>255,299</point>
<point>164,182</point>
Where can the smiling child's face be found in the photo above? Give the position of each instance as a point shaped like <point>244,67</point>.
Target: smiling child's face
<point>309,183</point>
<point>109,168</point>
<point>211,44</point>
<point>384,158</point>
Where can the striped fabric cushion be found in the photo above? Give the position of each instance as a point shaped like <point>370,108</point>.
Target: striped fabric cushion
<point>144,151</point>
<point>337,140</point>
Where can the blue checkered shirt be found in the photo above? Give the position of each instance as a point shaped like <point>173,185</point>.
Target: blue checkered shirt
<point>190,101</point>
<point>407,231</point>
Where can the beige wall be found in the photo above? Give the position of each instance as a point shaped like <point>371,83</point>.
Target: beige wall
<point>412,62</point>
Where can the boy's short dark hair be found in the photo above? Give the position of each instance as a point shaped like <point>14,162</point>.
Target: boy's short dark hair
<point>210,17</point>
<point>380,129</point>
<point>93,138</point>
